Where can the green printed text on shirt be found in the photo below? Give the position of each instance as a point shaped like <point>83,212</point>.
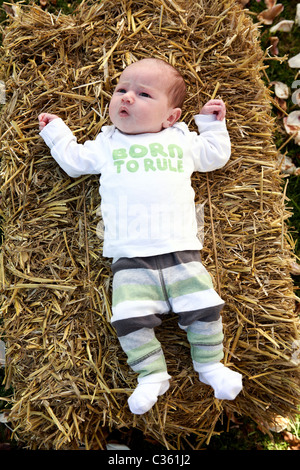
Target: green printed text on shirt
<point>149,158</point>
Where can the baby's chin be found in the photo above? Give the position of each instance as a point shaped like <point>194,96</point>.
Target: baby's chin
<point>132,130</point>
<point>124,130</point>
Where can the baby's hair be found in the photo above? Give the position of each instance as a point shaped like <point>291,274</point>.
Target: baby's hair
<point>176,87</point>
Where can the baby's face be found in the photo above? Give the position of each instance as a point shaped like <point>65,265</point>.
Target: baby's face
<point>140,102</point>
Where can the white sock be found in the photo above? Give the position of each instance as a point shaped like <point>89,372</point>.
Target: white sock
<point>226,383</point>
<point>145,396</point>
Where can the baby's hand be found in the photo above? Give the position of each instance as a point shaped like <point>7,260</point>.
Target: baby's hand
<point>45,118</point>
<point>216,107</point>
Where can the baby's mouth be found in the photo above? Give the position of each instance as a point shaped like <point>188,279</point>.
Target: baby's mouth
<point>124,112</point>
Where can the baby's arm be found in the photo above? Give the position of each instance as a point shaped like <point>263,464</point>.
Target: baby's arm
<point>74,158</point>
<point>216,107</point>
<point>211,146</point>
<point>45,118</point>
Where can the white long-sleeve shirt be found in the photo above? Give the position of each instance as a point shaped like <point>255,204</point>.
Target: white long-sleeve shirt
<point>147,201</point>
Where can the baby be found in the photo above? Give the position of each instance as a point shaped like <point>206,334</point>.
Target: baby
<point>146,159</point>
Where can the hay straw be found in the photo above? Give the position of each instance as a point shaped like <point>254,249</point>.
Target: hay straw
<point>69,376</point>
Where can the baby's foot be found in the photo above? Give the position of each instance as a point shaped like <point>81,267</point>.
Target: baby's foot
<point>226,383</point>
<point>145,396</point>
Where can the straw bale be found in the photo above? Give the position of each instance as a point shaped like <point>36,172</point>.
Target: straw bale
<point>69,376</point>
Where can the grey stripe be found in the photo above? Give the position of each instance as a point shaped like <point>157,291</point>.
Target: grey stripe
<point>129,325</point>
<point>208,314</point>
<point>151,262</point>
<point>163,286</point>
<point>157,351</point>
<point>207,345</point>
<point>136,339</point>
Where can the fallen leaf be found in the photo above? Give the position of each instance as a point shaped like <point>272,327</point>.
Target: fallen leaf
<point>295,357</point>
<point>287,167</point>
<point>3,418</point>
<point>2,353</point>
<point>282,106</point>
<point>294,268</point>
<point>270,3</point>
<point>279,423</point>
<point>293,441</point>
<point>267,16</point>
<point>296,97</point>
<point>292,125</point>
<point>284,25</point>
<point>297,17</point>
<point>274,40</point>
<point>13,10</point>
<point>294,62</point>
<point>243,2</point>
<point>281,89</point>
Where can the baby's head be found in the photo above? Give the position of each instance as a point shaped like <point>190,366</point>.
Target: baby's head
<point>148,97</point>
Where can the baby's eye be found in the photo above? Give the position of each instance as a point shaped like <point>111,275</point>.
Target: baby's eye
<point>144,94</point>
<point>121,90</point>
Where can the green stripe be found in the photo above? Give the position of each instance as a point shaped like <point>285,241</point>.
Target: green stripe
<point>142,352</point>
<point>155,367</point>
<point>190,285</point>
<point>138,292</point>
<point>195,338</point>
<point>204,355</point>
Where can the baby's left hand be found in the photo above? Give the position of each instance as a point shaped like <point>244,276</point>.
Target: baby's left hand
<point>216,107</point>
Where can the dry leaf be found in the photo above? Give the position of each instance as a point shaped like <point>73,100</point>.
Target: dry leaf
<point>294,62</point>
<point>296,97</point>
<point>13,10</point>
<point>279,423</point>
<point>274,40</point>
<point>2,353</point>
<point>281,89</point>
<point>267,16</point>
<point>287,166</point>
<point>292,125</point>
<point>297,17</point>
<point>284,25</point>
<point>294,268</point>
<point>293,441</point>
<point>270,3</point>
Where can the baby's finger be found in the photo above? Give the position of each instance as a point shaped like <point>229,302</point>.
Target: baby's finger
<point>219,110</point>
<point>213,108</point>
<point>215,101</point>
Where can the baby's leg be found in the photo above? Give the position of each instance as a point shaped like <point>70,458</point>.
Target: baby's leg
<point>199,306</point>
<point>206,340</point>
<point>145,357</point>
<point>138,302</point>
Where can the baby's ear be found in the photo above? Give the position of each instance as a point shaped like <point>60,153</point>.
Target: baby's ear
<point>173,117</point>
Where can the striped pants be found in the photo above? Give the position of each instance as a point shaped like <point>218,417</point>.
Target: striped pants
<point>146,288</point>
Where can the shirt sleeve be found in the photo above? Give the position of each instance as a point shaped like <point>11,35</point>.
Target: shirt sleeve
<point>74,158</point>
<point>210,148</point>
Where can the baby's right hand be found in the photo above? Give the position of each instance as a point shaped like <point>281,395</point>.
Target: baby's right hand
<point>45,118</point>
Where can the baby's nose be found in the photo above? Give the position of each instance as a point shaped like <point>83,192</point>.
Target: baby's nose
<point>128,97</point>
